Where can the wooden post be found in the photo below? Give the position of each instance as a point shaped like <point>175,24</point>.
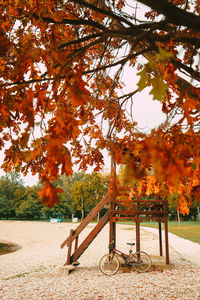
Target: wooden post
<point>137,235</point>
<point>69,248</point>
<point>76,243</point>
<point>160,238</point>
<point>87,220</point>
<point>112,233</point>
<point>137,225</point>
<point>91,236</point>
<point>166,233</point>
<point>112,229</point>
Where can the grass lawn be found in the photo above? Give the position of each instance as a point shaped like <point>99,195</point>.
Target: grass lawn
<point>187,229</point>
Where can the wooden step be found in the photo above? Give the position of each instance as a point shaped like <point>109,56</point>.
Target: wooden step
<point>87,220</point>
<point>80,250</point>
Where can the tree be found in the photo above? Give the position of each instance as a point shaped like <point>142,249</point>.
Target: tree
<point>6,208</point>
<point>10,184</point>
<point>87,193</point>
<point>172,204</point>
<point>61,67</point>
<point>64,207</point>
<point>79,198</point>
<point>31,206</point>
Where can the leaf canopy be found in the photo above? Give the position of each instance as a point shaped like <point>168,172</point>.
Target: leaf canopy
<point>61,83</point>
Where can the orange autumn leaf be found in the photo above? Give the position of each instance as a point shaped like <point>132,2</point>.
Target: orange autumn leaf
<point>132,194</point>
<point>78,93</point>
<point>49,194</point>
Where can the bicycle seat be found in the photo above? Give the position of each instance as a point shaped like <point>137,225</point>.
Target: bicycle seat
<point>130,244</point>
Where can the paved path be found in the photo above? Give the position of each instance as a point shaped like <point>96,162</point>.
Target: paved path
<point>189,250</point>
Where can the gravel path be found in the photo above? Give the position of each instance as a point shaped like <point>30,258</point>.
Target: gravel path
<point>33,271</point>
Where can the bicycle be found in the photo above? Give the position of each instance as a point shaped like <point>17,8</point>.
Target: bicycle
<point>109,264</point>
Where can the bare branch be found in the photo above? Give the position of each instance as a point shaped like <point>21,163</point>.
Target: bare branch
<point>78,41</point>
<point>174,14</point>
<point>122,61</point>
<point>195,75</point>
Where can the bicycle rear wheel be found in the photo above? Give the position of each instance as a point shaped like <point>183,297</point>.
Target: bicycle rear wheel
<point>109,264</point>
<point>141,261</point>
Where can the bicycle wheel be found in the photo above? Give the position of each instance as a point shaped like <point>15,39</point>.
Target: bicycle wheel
<point>109,264</point>
<point>141,261</point>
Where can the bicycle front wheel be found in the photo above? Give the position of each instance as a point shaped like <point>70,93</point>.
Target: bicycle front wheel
<point>141,261</point>
<point>109,264</point>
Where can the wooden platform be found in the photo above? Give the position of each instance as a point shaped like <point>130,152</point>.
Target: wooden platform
<point>158,264</point>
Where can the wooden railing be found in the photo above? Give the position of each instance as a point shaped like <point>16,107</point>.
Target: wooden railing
<point>74,234</point>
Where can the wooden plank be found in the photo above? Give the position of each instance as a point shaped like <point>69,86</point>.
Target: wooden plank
<point>147,218</point>
<point>76,243</point>
<point>143,203</point>
<point>126,203</point>
<point>137,234</point>
<point>160,238</point>
<point>166,236</point>
<point>112,230</point>
<point>138,225</point>
<point>136,212</point>
<point>79,251</point>
<point>69,247</point>
<point>87,220</point>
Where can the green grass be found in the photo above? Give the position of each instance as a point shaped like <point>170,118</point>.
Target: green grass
<point>187,229</point>
<point>25,273</point>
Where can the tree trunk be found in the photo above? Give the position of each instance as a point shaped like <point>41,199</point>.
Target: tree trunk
<point>82,210</point>
<point>198,209</point>
<point>178,215</point>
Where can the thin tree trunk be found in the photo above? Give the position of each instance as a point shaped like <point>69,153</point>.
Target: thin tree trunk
<point>82,210</point>
<point>198,209</point>
<point>178,215</point>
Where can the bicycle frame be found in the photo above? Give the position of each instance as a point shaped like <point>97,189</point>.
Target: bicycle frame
<point>123,255</point>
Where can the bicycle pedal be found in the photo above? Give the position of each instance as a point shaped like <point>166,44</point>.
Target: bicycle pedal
<point>131,244</point>
<point>76,263</point>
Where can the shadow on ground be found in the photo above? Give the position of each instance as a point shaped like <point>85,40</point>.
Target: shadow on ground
<point>8,247</point>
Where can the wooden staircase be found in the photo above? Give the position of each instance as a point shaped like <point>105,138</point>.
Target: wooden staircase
<point>74,234</point>
<point>121,206</point>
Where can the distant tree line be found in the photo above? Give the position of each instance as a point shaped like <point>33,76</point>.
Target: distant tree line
<point>81,193</point>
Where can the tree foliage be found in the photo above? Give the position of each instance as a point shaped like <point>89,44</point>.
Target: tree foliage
<point>61,67</point>
<point>88,192</point>
<point>10,185</point>
<point>21,202</point>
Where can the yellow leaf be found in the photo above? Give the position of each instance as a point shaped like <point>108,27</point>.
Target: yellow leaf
<point>159,88</point>
<point>163,55</point>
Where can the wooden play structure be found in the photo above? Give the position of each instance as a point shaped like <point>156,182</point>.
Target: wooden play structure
<point>121,207</point>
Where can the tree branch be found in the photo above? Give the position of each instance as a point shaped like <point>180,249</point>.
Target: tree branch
<point>78,41</point>
<point>195,75</point>
<point>122,61</point>
<point>77,22</point>
<point>174,14</point>
<point>107,12</point>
